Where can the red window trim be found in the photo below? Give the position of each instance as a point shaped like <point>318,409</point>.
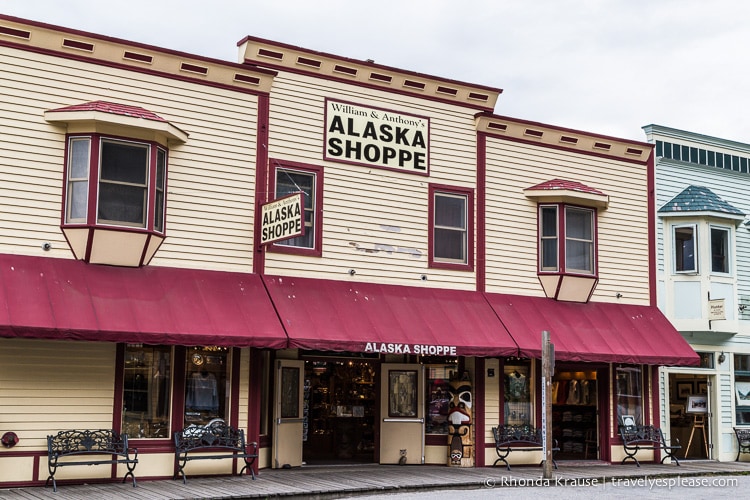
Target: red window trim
<point>93,184</point>
<point>458,191</point>
<point>561,260</point>
<point>317,171</point>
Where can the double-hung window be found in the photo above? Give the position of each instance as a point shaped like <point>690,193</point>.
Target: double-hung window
<point>720,250</point>
<point>291,178</point>
<point>575,252</point>
<point>685,246</point>
<point>451,227</point>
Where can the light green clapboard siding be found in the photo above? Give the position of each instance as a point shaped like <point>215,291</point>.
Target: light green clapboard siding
<point>512,218</point>
<point>44,387</point>
<point>211,179</point>
<point>375,220</point>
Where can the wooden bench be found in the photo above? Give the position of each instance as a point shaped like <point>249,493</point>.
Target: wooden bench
<point>89,443</point>
<point>218,440</point>
<point>510,438</point>
<point>743,441</point>
<point>645,437</point>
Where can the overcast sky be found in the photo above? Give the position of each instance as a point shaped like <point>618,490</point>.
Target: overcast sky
<point>607,66</point>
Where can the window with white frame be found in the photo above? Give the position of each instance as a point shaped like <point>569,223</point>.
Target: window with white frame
<point>720,250</point>
<point>685,248</point>
<point>450,231</point>
<point>576,252</point>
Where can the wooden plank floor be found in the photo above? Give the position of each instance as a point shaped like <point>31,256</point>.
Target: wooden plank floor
<point>337,481</point>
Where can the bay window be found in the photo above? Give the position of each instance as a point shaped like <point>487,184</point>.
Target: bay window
<point>685,245</point>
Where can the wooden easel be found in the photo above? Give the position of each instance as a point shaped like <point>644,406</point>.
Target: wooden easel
<point>699,422</point>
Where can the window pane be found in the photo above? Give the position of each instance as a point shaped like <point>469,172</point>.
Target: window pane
<point>549,221</point>
<point>289,182</point>
<point>517,393</point>
<point>449,245</point>
<point>684,249</point>
<point>450,211</point>
<point>578,256</point>
<point>578,223</point>
<point>122,203</point>
<point>402,393</point>
<point>124,162</point>
<point>438,398</point>
<point>146,391</point>
<point>161,166</point>
<point>549,254</point>
<point>159,211</point>
<point>719,250</point>
<point>79,158</point>
<point>78,200</point>
<point>206,395</point>
<point>549,242</point>
<point>629,393</point>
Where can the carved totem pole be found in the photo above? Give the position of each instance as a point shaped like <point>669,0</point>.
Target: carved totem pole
<point>460,439</point>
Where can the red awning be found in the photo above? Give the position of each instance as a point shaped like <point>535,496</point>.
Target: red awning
<point>71,300</point>
<point>367,317</point>
<point>594,331</point>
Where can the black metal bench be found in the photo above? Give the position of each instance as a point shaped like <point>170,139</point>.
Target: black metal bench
<point>89,443</point>
<point>743,441</point>
<point>510,438</point>
<point>216,440</point>
<point>645,437</point>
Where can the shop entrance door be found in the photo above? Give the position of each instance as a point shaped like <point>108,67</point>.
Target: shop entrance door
<point>575,414</point>
<point>402,411</point>
<point>288,413</point>
<point>689,414</point>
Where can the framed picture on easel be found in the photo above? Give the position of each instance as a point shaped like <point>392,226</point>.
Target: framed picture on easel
<point>697,404</point>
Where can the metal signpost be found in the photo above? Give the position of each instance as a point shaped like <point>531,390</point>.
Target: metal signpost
<point>548,369</point>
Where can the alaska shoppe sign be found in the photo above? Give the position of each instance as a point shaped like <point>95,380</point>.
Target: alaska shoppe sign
<point>281,219</point>
<point>376,137</point>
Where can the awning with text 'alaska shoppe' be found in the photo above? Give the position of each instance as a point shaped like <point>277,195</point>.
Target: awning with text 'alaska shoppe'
<point>65,299</point>
<point>593,332</point>
<point>387,319</point>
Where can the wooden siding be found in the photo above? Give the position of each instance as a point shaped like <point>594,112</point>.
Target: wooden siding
<point>375,220</point>
<point>673,177</point>
<point>512,218</point>
<point>211,178</point>
<point>44,388</point>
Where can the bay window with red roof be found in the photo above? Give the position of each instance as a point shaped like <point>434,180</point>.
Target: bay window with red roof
<point>567,229</point>
<point>114,196</point>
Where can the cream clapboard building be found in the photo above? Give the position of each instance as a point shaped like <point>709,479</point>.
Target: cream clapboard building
<point>440,240</point>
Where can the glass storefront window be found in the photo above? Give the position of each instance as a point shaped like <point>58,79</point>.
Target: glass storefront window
<point>742,388</point>
<point>146,391</point>
<point>629,390</point>
<point>516,382</point>
<point>438,398</point>
<point>206,382</point>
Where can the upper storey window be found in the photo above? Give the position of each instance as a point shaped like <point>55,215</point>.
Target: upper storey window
<point>701,227</point>
<point>451,232</point>
<point>115,181</point>
<point>567,229</point>
<point>290,178</point>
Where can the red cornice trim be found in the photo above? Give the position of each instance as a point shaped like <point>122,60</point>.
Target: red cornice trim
<point>651,224</point>
<point>563,148</point>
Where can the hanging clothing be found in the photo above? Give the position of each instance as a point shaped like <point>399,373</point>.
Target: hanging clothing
<point>203,393</point>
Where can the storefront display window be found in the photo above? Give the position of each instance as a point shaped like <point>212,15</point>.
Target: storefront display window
<point>517,393</point>
<point>438,398</point>
<point>742,388</point>
<point>146,391</point>
<point>629,393</point>
<point>206,395</point>
<point>402,393</point>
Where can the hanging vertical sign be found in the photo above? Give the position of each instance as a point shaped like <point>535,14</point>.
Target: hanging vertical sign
<point>376,137</point>
<point>281,219</point>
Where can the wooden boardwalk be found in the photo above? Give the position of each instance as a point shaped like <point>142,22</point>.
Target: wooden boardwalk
<point>326,482</point>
